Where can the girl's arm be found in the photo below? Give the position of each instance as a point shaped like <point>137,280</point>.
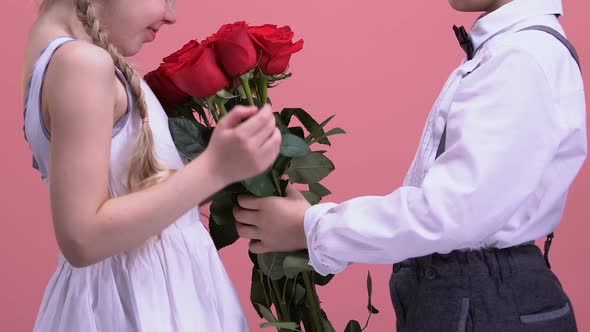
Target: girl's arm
<point>80,96</point>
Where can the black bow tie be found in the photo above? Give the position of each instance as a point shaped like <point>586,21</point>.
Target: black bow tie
<point>464,41</point>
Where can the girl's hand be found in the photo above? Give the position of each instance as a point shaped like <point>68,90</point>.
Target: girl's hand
<point>244,144</point>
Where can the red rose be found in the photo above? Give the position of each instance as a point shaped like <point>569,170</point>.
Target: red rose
<point>186,48</point>
<point>168,93</point>
<point>276,45</point>
<point>234,48</point>
<point>195,71</point>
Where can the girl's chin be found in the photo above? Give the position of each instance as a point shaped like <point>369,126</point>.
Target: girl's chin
<point>131,49</point>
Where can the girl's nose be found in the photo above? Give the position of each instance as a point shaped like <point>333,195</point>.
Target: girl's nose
<point>170,16</point>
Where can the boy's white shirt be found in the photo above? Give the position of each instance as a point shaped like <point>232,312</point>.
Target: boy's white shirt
<point>516,139</point>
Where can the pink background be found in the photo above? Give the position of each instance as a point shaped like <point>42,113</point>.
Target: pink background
<point>377,64</point>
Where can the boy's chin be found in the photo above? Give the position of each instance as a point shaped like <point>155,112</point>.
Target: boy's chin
<point>467,6</point>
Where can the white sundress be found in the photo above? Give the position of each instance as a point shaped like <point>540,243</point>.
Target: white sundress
<point>173,283</point>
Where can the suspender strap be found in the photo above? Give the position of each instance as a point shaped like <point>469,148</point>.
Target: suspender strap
<point>559,37</point>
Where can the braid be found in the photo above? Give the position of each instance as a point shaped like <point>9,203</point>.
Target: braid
<point>145,169</point>
<point>87,14</point>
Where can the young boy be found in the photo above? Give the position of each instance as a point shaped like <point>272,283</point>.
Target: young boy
<point>500,149</point>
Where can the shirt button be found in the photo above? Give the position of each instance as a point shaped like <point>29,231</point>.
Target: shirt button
<point>430,273</point>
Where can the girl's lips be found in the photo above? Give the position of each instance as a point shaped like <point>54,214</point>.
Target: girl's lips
<point>152,32</point>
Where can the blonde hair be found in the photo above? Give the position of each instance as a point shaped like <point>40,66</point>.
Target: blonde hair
<point>43,4</point>
<point>145,169</point>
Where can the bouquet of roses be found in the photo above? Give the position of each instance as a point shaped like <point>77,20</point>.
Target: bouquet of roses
<point>198,85</point>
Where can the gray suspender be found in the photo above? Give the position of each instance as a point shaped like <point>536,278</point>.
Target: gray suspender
<point>554,33</point>
<point>559,37</point>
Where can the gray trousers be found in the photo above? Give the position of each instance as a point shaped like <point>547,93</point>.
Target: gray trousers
<point>496,290</point>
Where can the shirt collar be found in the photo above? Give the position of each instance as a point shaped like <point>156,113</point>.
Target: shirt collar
<point>510,14</point>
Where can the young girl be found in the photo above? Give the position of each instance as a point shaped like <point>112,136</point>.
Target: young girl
<point>509,131</point>
<point>125,209</point>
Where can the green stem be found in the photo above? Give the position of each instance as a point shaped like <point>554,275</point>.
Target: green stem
<point>263,82</point>
<point>310,139</point>
<point>312,302</point>
<point>367,323</point>
<point>258,91</point>
<point>221,106</point>
<point>281,164</point>
<point>285,292</point>
<point>246,84</point>
<point>197,107</point>
<point>254,88</point>
<point>282,311</point>
<point>206,122</point>
<point>267,296</point>
<point>273,299</point>
<point>292,298</point>
<point>212,109</point>
<point>276,183</point>
<point>275,293</point>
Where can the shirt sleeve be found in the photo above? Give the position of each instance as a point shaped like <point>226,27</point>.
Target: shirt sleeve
<point>502,131</point>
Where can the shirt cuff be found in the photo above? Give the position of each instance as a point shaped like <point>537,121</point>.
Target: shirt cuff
<point>321,263</point>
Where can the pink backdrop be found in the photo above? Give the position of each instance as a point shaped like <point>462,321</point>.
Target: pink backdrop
<point>377,64</point>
